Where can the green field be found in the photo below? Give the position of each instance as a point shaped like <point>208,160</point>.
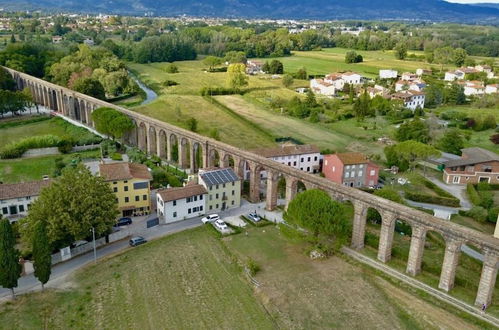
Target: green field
<point>192,280</point>
<point>31,169</point>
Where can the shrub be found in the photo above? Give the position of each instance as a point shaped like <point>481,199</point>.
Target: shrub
<point>171,68</point>
<point>252,267</point>
<point>65,146</point>
<point>168,83</point>
<point>425,198</point>
<point>116,156</point>
<point>219,91</point>
<point>17,149</point>
<point>493,213</point>
<point>473,194</point>
<point>439,191</point>
<point>478,213</point>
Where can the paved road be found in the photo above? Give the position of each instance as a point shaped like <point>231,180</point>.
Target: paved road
<point>457,191</point>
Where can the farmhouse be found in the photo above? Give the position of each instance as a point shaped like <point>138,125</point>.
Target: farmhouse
<point>223,187</point>
<point>411,99</point>
<point>351,169</point>
<point>491,89</point>
<point>473,88</point>
<point>408,76</point>
<point>421,72</point>
<point>130,184</point>
<point>16,198</point>
<point>319,86</point>
<point>351,78</point>
<point>475,165</point>
<point>387,74</point>
<point>181,203</point>
<point>413,85</point>
<point>305,157</point>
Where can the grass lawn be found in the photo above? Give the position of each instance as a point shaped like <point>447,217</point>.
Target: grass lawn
<point>54,126</point>
<point>484,227</point>
<point>192,280</point>
<point>31,169</point>
<point>331,60</point>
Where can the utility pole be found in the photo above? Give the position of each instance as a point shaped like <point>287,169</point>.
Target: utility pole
<point>95,250</point>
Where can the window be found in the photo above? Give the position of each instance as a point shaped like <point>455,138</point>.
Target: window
<point>216,196</point>
<point>372,173</point>
<point>211,188</point>
<point>348,167</point>
<point>189,211</point>
<point>315,158</point>
<point>289,163</point>
<point>347,174</point>
<point>174,214</point>
<point>216,206</point>
<point>126,188</point>
<point>223,186</point>
<point>5,210</point>
<point>201,208</point>
<point>195,198</point>
<point>188,200</point>
<point>216,187</point>
<point>360,173</point>
<point>28,198</point>
<point>233,184</point>
<point>200,197</point>
<point>233,192</point>
<point>211,197</point>
<point>294,163</point>
<point>21,208</point>
<point>455,179</point>
<point>232,202</point>
<point>115,182</point>
<point>353,167</point>
<point>137,198</point>
<point>211,207</point>
<point>302,159</point>
<point>140,185</point>
<point>115,189</point>
<point>308,159</point>
<point>308,168</point>
<point>334,168</point>
<point>127,199</point>
<point>126,181</point>
<point>174,203</point>
<point>144,197</point>
<point>352,174</point>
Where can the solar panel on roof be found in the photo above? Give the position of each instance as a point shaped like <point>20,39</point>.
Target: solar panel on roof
<point>219,176</point>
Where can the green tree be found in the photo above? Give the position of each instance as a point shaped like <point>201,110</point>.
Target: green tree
<point>452,141</point>
<point>353,57</point>
<point>6,80</point>
<point>235,57</point>
<point>90,86</point>
<point>400,50</point>
<point>236,76</point>
<point>415,129</point>
<point>287,80</point>
<point>71,206</point>
<point>302,74</point>
<point>454,95</point>
<point>276,67</point>
<point>212,61</point>
<point>310,100</point>
<point>434,96</point>
<point>10,269</point>
<point>192,124</point>
<point>459,56</point>
<point>362,107</point>
<point>323,218</point>
<point>42,260</point>
<point>414,151</point>
<point>111,122</point>
<point>266,67</point>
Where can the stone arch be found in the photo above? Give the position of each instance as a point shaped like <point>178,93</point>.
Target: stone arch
<point>83,110</point>
<point>258,183</point>
<point>196,156</point>
<point>131,137</point>
<point>214,158</point>
<point>227,161</point>
<point>183,152</point>
<point>142,136</point>
<point>152,146</point>
<point>162,144</point>
<point>53,96</point>
<point>173,150</point>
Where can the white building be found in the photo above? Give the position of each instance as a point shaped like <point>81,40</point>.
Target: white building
<point>89,42</point>
<point>421,72</point>
<point>377,90</point>
<point>319,86</point>
<point>409,76</point>
<point>413,85</point>
<point>352,78</point>
<point>16,198</point>
<point>254,67</point>
<point>181,203</point>
<point>412,99</point>
<point>474,88</point>
<point>388,74</point>
<point>336,80</point>
<point>305,157</point>
<point>491,89</point>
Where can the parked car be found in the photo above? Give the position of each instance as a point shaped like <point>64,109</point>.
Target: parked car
<point>137,240</point>
<point>210,218</point>
<point>254,217</point>
<point>221,225</point>
<point>79,243</point>
<point>123,222</point>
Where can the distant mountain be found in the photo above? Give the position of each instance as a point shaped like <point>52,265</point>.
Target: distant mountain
<point>437,10</point>
<point>487,4</point>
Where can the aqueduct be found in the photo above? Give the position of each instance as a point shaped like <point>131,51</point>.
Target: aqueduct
<point>157,137</point>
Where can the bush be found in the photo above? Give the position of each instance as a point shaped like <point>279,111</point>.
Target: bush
<point>17,149</point>
<point>116,156</point>
<point>439,191</point>
<point>221,69</point>
<point>473,194</point>
<point>65,146</point>
<point>168,83</point>
<point>493,213</point>
<point>478,213</point>
<point>171,68</point>
<point>425,198</point>
<point>252,267</point>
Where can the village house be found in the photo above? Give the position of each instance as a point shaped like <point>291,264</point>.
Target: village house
<point>16,198</point>
<point>351,78</point>
<point>89,42</point>
<point>223,187</point>
<point>254,67</point>
<point>387,74</point>
<point>377,90</point>
<point>473,88</point>
<point>422,72</point>
<point>411,99</point>
<point>408,76</point>
<point>491,89</point>
<point>475,165</point>
<point>319,86</point>
<point>351,169</point>
<point>336,80</point>
<point>460,73</point>
<point>304,157</point>
<point>487,69</point>
<point>413,85</point>
<point>56,39</point>
<point>174,204</point>
<point>130,184</point>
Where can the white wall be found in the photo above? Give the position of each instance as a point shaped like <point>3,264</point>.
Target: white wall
<point>18,203</point>
<point>179,210</point>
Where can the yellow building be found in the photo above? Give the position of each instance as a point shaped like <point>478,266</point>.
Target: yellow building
<point>224,189</point>
<point>130,183</point>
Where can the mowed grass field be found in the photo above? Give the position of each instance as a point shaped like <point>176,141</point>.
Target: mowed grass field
<point>192,280</point>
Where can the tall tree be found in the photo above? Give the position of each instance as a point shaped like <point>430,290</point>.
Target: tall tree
<point>400,50</point>
<point>90,86</point>
<point>459,56</point>
<point>73,204</point>
<point>415,129</point>
<point>10,268</point>
<point>111,122</point>
<point>452,141</point>
<point>42,260</point>
<point>236,75</point>
<point>414,151</point>
<point>362,107</point>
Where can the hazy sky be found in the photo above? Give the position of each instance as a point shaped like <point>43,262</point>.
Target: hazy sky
<point>473,1</point>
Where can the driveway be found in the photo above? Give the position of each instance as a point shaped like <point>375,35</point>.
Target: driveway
<point>455,190</point>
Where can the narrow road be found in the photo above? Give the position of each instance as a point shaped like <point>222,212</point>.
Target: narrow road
<point>457,191</point>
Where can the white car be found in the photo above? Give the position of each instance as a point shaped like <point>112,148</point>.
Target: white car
<point>221,225</point>
<point>210,218</point>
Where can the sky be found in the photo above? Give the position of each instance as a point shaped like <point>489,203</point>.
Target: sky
<point>473,1</point>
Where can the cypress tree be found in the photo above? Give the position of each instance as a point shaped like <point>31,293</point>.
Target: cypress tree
<point>42,260</point>
<point>10,269</point>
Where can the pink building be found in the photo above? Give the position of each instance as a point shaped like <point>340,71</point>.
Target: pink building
<point>351,169</point>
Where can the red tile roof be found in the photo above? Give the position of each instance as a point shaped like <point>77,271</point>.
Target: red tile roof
<point>23,189</point>
<point>124,171</point>
<point>173,194</point>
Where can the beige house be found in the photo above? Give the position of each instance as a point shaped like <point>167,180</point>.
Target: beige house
<point>223,187</point>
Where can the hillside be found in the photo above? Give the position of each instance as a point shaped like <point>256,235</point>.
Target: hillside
<point>314,9</point>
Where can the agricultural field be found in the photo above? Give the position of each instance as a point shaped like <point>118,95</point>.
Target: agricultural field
<point>154,286</point>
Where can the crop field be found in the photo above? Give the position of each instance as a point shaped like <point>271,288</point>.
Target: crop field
<point>192,280</point>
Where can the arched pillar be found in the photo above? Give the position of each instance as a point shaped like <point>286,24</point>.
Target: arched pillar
<point>151,141</point>
<point>142,136</point>
<point>192,156</point>
<point>487,279</point>
<point>359,224</point>
<point>386,236</point>
<point>291,187</point>
<point>254,191</point>
<point>182,152</point>
<point>449,265</point>
<point>272,182</point>
<point>169,145</point>
<point>162,142</point>
<point>416,250</point>
<point>239,167</point>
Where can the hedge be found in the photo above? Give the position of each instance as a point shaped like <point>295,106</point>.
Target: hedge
<point>210,91</point>
<point>439,191</point>
<point>17,149</point>
<point>425,198</point>
<point>473,194</point>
